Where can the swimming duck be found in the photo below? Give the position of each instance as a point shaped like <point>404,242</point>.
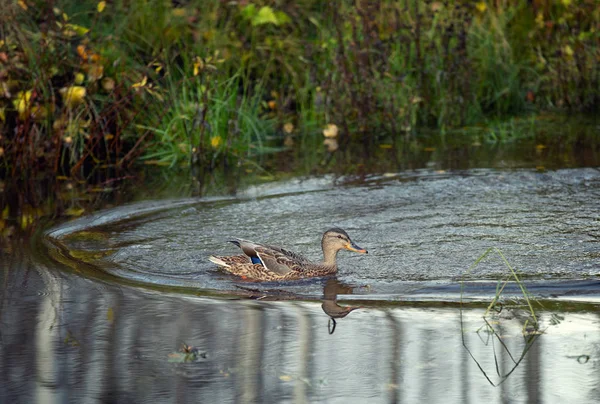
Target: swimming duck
<point>262,262</point>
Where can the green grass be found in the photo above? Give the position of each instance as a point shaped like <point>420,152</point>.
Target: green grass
<point>379,71</point>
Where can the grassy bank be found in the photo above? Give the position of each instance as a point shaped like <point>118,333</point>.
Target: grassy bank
<point>94,84</point>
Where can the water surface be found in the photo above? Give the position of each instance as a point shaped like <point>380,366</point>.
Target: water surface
<point>97,309</point>
<point>423,230</point>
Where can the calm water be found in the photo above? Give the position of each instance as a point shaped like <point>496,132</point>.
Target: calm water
<point>96,310</point>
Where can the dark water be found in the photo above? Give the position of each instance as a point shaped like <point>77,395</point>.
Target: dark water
<point>68,338</point>
<point>97,310</point>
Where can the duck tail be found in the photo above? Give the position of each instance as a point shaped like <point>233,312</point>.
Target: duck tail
<point>236,241</point>
<point>218,261</point>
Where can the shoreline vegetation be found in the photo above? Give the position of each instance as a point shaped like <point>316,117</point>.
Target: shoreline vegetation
<point>177,83</point>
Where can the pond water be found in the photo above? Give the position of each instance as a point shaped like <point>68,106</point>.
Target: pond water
<point>423,230</point>
<point>99,309</point>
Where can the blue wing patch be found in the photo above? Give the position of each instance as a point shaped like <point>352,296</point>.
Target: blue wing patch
<point>256,260</point>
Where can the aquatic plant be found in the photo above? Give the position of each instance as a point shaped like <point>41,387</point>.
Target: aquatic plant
<point>530,327</point>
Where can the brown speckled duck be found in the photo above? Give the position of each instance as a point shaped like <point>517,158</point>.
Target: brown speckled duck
<point>262,262</point>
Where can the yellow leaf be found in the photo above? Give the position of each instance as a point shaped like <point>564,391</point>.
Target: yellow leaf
<point>1,151</point>
<point>429,149</point>
<point>288,127</point>
<point>2,114</point>
<point>72,96</point>
<point>26,220</point>
<point>331,143</point>
<point>285,378</point>
<point>71,29</point>
<point>22,103</point>
<point>179,12</point>
<point>481,6</point>
<point>216,141</point>
<point>79,77</point>
<point>385,146</point>
<point>101,6</point>
<point>108,84</point>
<point>141,83</point>
<point>74,211</point>
<point>198,65</point>
<point>22,4</point>
<point>330,131</point>
<point>568,50</point>
<point>110,315</point>
<point>539,20</point>
<point>95,72</point>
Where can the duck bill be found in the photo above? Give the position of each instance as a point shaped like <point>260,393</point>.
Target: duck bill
<point>355,248</point>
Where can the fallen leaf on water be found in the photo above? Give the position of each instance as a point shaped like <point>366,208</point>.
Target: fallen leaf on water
<point>385,146</point>
<point>429,149</point>
<point>110,315</point>
<point>540,146</point>
<point>285,378</point>
<point>101,5</point>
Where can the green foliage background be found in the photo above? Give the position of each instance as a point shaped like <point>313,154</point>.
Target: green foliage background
<point>87,83</point>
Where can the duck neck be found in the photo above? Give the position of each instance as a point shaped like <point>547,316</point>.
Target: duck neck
<point>329,256</point>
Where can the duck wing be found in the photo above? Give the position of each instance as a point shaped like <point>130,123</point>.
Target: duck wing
<point>274,259</point>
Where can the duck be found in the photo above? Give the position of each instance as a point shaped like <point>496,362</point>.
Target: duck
<point>262,262</point>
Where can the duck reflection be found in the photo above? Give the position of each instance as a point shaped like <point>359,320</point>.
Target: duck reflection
<point>332,288</point>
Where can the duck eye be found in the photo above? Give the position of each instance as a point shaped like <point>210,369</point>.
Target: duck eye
<point>340,237</point>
